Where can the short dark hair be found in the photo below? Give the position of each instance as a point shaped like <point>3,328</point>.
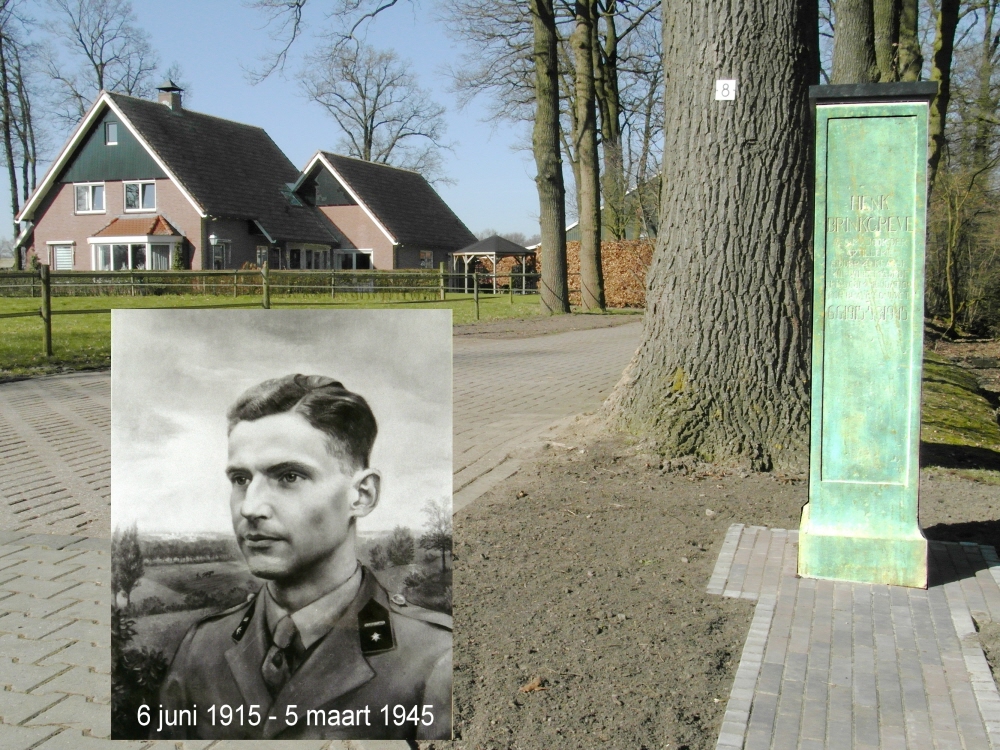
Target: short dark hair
<point>324,402</point>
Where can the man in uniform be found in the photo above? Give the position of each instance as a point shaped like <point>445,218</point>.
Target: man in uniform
<point>321,651</point>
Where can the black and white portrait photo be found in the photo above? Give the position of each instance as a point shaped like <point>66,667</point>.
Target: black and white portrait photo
<point>281,524</point>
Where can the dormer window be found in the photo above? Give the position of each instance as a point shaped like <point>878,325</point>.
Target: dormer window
<point>140,196</point>
<point>111,133</point>
<point>89,198</point>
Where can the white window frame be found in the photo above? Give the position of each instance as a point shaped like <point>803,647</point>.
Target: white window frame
<point>140,183</point>
<point>107,139</point>
<point>172,241</point>
<point>90,198</point>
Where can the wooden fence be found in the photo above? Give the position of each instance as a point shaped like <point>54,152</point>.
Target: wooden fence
<point>348,286</point>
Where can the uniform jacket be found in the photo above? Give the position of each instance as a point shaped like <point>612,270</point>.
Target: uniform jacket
<point>219,663</point>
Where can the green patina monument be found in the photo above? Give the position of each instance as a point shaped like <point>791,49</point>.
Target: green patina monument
<point>860,523</point>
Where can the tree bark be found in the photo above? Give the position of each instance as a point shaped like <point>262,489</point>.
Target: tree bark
<point>986,99</point>
<point>910,58</point>
<point>589,185</point>
<point>6,121</point>
<point>944,47</point>
<point>854,43</point>
<point>554,290</point>
<point>886,18</point>
<point>723,369</point>
<point>614,217</point>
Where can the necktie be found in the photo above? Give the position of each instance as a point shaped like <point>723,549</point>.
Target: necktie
<point>276,669</point>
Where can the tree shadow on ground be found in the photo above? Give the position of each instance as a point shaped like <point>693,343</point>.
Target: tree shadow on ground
<point>980,532</point>
<point>958,457</point>
<point>957,563</point>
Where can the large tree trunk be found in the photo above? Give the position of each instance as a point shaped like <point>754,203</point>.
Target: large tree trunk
<point>588,186</point>
<point>886,17</point>
<point>554,290</point>
<point>723,370</point>
<point>910,58</point>
<point>944,46</point>
<point>854,43</point>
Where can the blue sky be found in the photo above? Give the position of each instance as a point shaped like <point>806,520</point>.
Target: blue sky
<point>213,42</point>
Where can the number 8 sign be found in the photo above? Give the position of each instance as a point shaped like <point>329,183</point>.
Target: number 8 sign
<point>725,90</point>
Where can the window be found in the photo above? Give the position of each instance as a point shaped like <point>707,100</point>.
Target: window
<point>62,257</point>
<point>140,196</point>
<point>133,256</point>
<point>261,255</point>
<point>90,198</point>
<point>353,260</point>
<point>221,255</point>
<point>111,133</point>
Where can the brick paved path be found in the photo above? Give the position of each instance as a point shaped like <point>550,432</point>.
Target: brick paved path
<point>55,518</point>
<point>507,392</point>
<point>836,664</point>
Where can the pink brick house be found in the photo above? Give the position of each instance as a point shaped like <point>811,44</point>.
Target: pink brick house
<point>151,185</point>
<point>388,217</point>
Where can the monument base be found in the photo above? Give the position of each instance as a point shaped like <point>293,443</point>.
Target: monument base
<point>893,560</point>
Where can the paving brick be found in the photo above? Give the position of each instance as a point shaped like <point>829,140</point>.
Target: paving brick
<point>97,612</point>
<point>23,677</point>
<point>44,570</point>
<point>80,654</point>
<point>34,606</point>
<point>78,681</point>
<point>74,739</point>
<point>26,651</point>
<point>76,712</point>
<point>36,587</point>
<point>88,591</point>
<point>16,707</point>
<point>24,625</point>
<point>84,630</point>
<point>22,738</point>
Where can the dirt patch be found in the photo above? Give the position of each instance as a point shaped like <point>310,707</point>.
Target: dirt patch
<point>587,570</point>
<point>518,328</point>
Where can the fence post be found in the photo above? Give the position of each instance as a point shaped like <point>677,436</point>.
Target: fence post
<point>475,292</point>
<point>333,283</point>
<point>46,310</point>
<point>266,281</point>
<point>510,285</point>
<point>234,283</point>
<point>441,268</point>
<point>131,281</point>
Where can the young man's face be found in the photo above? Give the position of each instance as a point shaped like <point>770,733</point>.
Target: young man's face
<point>292,500</point>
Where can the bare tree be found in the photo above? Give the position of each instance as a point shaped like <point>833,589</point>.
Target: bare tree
<point>383,114</point>
<point>106,51</point>
<point>548,159</point>
<point>588,185</point>
<point>947,18</point>
<point>16,115</point>
<point>439,532</point>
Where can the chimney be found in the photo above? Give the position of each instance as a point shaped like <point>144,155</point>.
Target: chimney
<point>170,95</point>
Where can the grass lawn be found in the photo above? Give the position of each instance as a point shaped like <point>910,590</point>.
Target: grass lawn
<point>81,342</point>
<point>959,430</point>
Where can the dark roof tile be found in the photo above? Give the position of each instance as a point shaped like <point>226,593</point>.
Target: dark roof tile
<point>232,170</point>
<point>404,202</point>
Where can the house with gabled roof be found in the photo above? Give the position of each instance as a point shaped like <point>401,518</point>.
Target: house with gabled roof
<point>151,185</point>
<point>388,217</point>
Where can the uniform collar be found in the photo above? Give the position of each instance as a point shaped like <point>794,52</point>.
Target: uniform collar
<point>317,618</point>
